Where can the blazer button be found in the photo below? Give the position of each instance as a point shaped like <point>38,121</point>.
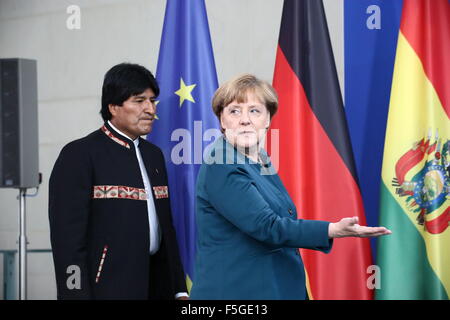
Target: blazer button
<point>290,212</point>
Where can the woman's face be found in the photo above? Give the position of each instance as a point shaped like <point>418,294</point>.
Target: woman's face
<point>245,123</point>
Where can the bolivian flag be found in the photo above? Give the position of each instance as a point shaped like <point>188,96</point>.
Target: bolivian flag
<point>415,260</point>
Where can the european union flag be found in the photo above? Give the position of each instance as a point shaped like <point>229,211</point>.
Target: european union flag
<point>187,77</point>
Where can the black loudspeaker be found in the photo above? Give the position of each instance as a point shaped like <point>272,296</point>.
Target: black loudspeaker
<point>19,155</point>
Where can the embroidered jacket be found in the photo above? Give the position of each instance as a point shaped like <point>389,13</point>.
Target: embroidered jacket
<point>99,221</point>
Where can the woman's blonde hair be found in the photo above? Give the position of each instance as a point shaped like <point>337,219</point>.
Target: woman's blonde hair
<point>237,89</point>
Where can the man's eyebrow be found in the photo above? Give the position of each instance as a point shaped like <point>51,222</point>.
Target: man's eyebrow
<point>143,97</point>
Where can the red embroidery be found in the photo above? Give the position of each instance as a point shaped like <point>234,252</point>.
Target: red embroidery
<point>119,192</point>
<point>114,138</point>
<point>100,267</point>
<point>161,192</point>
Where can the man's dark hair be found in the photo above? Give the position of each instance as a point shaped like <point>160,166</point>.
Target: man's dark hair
<point>123,81</point>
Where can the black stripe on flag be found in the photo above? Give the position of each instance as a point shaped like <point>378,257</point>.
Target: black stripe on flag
<point>305,42</point>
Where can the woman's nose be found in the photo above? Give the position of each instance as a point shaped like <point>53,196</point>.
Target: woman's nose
<point>244,119</point>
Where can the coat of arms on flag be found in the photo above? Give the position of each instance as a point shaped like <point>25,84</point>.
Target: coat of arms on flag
<point>426,191</point>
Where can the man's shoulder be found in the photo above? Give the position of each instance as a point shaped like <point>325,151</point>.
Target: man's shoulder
<point>77,153</point>
<point>84,143</point>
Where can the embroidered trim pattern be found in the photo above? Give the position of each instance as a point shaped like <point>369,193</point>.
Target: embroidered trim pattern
<point>114,138</point>
<point>100,267</point>
<point>118,192</point>
<point>161,192</point>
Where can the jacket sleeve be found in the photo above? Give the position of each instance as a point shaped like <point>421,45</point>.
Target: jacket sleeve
<point>70,192</point>
<point>234,195</point>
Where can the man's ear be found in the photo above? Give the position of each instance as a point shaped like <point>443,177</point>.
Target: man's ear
<point>113,109</point>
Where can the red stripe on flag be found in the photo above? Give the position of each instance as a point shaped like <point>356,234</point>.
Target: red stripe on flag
<point>439,224</point>
<point>321,187</point>
<point>426,26</point>
<point>409,160</point>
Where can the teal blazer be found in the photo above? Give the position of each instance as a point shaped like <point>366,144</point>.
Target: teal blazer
<point>248,231</point>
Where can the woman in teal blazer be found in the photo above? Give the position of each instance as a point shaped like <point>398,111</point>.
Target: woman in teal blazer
<point>248,232</point>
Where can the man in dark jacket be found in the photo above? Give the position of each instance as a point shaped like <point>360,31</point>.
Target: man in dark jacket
<point>109,208</point>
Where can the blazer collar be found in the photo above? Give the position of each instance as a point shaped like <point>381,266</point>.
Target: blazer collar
<point>117,136</point>
<point>233,155</point>
<point>129,144</point>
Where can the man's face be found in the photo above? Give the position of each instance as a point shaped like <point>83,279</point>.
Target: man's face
<point>136,115</point>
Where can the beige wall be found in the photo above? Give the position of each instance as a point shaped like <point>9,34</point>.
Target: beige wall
<point>71,65</point>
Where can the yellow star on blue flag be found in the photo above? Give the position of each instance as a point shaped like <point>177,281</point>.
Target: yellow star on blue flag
<point>185,24</point>
<point>185,92</point>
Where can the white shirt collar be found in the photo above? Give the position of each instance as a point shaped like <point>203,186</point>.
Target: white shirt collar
<point>135,141</point>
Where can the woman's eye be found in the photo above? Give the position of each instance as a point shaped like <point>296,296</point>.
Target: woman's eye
<point>255,111</point>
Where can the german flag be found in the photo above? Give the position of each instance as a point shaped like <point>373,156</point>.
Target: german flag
<point>315,157</point>
<point>415,260</point>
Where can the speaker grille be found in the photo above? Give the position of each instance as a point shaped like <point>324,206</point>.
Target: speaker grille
<point>10,123</point>
<point>18,124</point>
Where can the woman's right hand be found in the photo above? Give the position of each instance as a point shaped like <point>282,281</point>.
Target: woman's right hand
<point>349,227</point>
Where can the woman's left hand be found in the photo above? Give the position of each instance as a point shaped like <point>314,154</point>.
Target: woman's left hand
<point>349,227</point>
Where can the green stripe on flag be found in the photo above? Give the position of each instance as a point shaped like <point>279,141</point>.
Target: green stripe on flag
<point>405,271</point>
